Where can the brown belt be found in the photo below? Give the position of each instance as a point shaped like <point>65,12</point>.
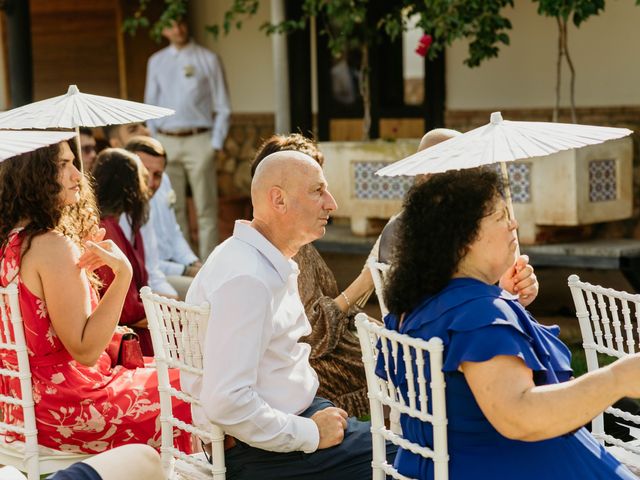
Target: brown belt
<point>229,442</point>
<point>184,133</point>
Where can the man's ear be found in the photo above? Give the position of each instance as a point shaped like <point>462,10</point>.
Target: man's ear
<point>277,199</point>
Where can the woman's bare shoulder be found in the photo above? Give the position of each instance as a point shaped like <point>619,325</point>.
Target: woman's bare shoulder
<point>54,247</point>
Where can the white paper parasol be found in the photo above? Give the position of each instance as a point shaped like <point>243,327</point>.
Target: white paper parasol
<point>75,109</point>
<point>501,141</point>
<point>17,142</point>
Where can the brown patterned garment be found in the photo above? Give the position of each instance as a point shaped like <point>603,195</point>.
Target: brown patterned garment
<point>335,349</point>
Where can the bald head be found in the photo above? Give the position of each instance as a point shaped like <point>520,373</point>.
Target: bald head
<point>280,169</point>
<point>291,201</point>
<point>435,136</point>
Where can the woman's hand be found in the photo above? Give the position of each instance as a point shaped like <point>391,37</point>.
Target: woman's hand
<point>140,323</point>
<point>104,253</point>
<point>96,235</point>
<point>520,280</point>
<point>366,280</point>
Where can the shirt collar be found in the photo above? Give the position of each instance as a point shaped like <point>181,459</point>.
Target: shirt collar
<point>176,51</point>
<point>244,232</point>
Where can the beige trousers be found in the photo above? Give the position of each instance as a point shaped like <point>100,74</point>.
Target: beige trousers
<point>181,283</point>
<point>191,159</point>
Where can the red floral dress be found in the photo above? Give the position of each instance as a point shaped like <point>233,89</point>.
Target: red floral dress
<point>79,408</point>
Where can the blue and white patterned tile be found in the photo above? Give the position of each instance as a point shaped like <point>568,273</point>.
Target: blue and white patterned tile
<point>369,186</point>
<point>602,181</point>
<point>519,180</point>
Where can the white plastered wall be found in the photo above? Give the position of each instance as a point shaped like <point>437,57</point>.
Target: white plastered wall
<point>605,52</point>
<point>246,54</point>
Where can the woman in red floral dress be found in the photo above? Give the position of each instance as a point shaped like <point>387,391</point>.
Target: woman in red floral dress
<point>81,403</point>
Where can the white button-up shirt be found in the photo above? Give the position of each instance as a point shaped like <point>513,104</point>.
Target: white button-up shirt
<point>157,280</point>
<point>189,80</point>
<point>257,376</point>
<point>173,250</point>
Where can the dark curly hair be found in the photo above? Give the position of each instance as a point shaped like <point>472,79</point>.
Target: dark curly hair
<point>120,187</point>
<point>440,219</point>
<point>30,190</point>
<point>279,143</point>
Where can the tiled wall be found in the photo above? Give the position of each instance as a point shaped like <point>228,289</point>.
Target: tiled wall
<point>602,184</point>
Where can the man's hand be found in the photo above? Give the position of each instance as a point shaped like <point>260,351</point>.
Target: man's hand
<point>192,270</point>
<point>331,423</point>
<point>519,279</point>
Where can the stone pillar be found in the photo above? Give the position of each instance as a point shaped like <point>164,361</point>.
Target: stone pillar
<point>281,70</point>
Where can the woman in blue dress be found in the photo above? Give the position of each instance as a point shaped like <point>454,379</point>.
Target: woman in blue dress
<point>514,411</point>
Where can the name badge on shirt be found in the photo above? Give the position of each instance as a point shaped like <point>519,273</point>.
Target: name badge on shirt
<point>171,198</point>
<point>189,70</point>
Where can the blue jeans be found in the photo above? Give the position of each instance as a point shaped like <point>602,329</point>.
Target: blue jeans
<point>77,471</point>
<point>351,460</point>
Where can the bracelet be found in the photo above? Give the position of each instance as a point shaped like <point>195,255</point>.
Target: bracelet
<point>346,299</point>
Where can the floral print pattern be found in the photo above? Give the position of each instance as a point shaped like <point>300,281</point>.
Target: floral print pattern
<point>78,408</point>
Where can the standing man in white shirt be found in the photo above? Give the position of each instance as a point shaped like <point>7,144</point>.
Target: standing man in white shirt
<point>189,79</point>
<point>258,383</point>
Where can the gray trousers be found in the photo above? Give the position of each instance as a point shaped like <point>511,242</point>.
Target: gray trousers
<point>351,460</point>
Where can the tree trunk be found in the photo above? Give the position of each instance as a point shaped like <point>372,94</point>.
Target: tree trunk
<point>365,92</point>
<point>572,88</point>
<point>556,108</point>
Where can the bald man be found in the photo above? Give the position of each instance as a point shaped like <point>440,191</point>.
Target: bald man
<point>258,383</point>
<point>387,237</point>
<point>518,279</point>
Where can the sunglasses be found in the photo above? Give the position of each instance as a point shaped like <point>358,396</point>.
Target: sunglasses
<point>504,214</point>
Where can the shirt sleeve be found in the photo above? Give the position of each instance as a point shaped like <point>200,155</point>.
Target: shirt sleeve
<point>232,357</point>
<point>171,268</point>
<point>157,280</point>
<point>173,250</point>
<point>181,252</point>
<point>220,103</point>
<point>484,330</point>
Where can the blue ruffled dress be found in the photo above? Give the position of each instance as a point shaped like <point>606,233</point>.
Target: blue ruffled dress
<point>477,321</point>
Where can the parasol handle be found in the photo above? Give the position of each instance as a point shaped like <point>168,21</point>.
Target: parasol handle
<point>507,194</point>
<point>79,149</point>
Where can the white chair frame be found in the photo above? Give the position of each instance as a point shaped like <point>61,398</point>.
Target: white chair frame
<point>175,329</point>
<point>604,332</point>
<point>26,456</point>
<point>384,392</point>
<point>379,272</point>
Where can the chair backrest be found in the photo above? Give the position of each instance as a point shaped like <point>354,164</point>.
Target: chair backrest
<point>609,326</point>
<point>25,455</point>
<point>379,272</point>
<point>176,329</point>
<point>388,347</point>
